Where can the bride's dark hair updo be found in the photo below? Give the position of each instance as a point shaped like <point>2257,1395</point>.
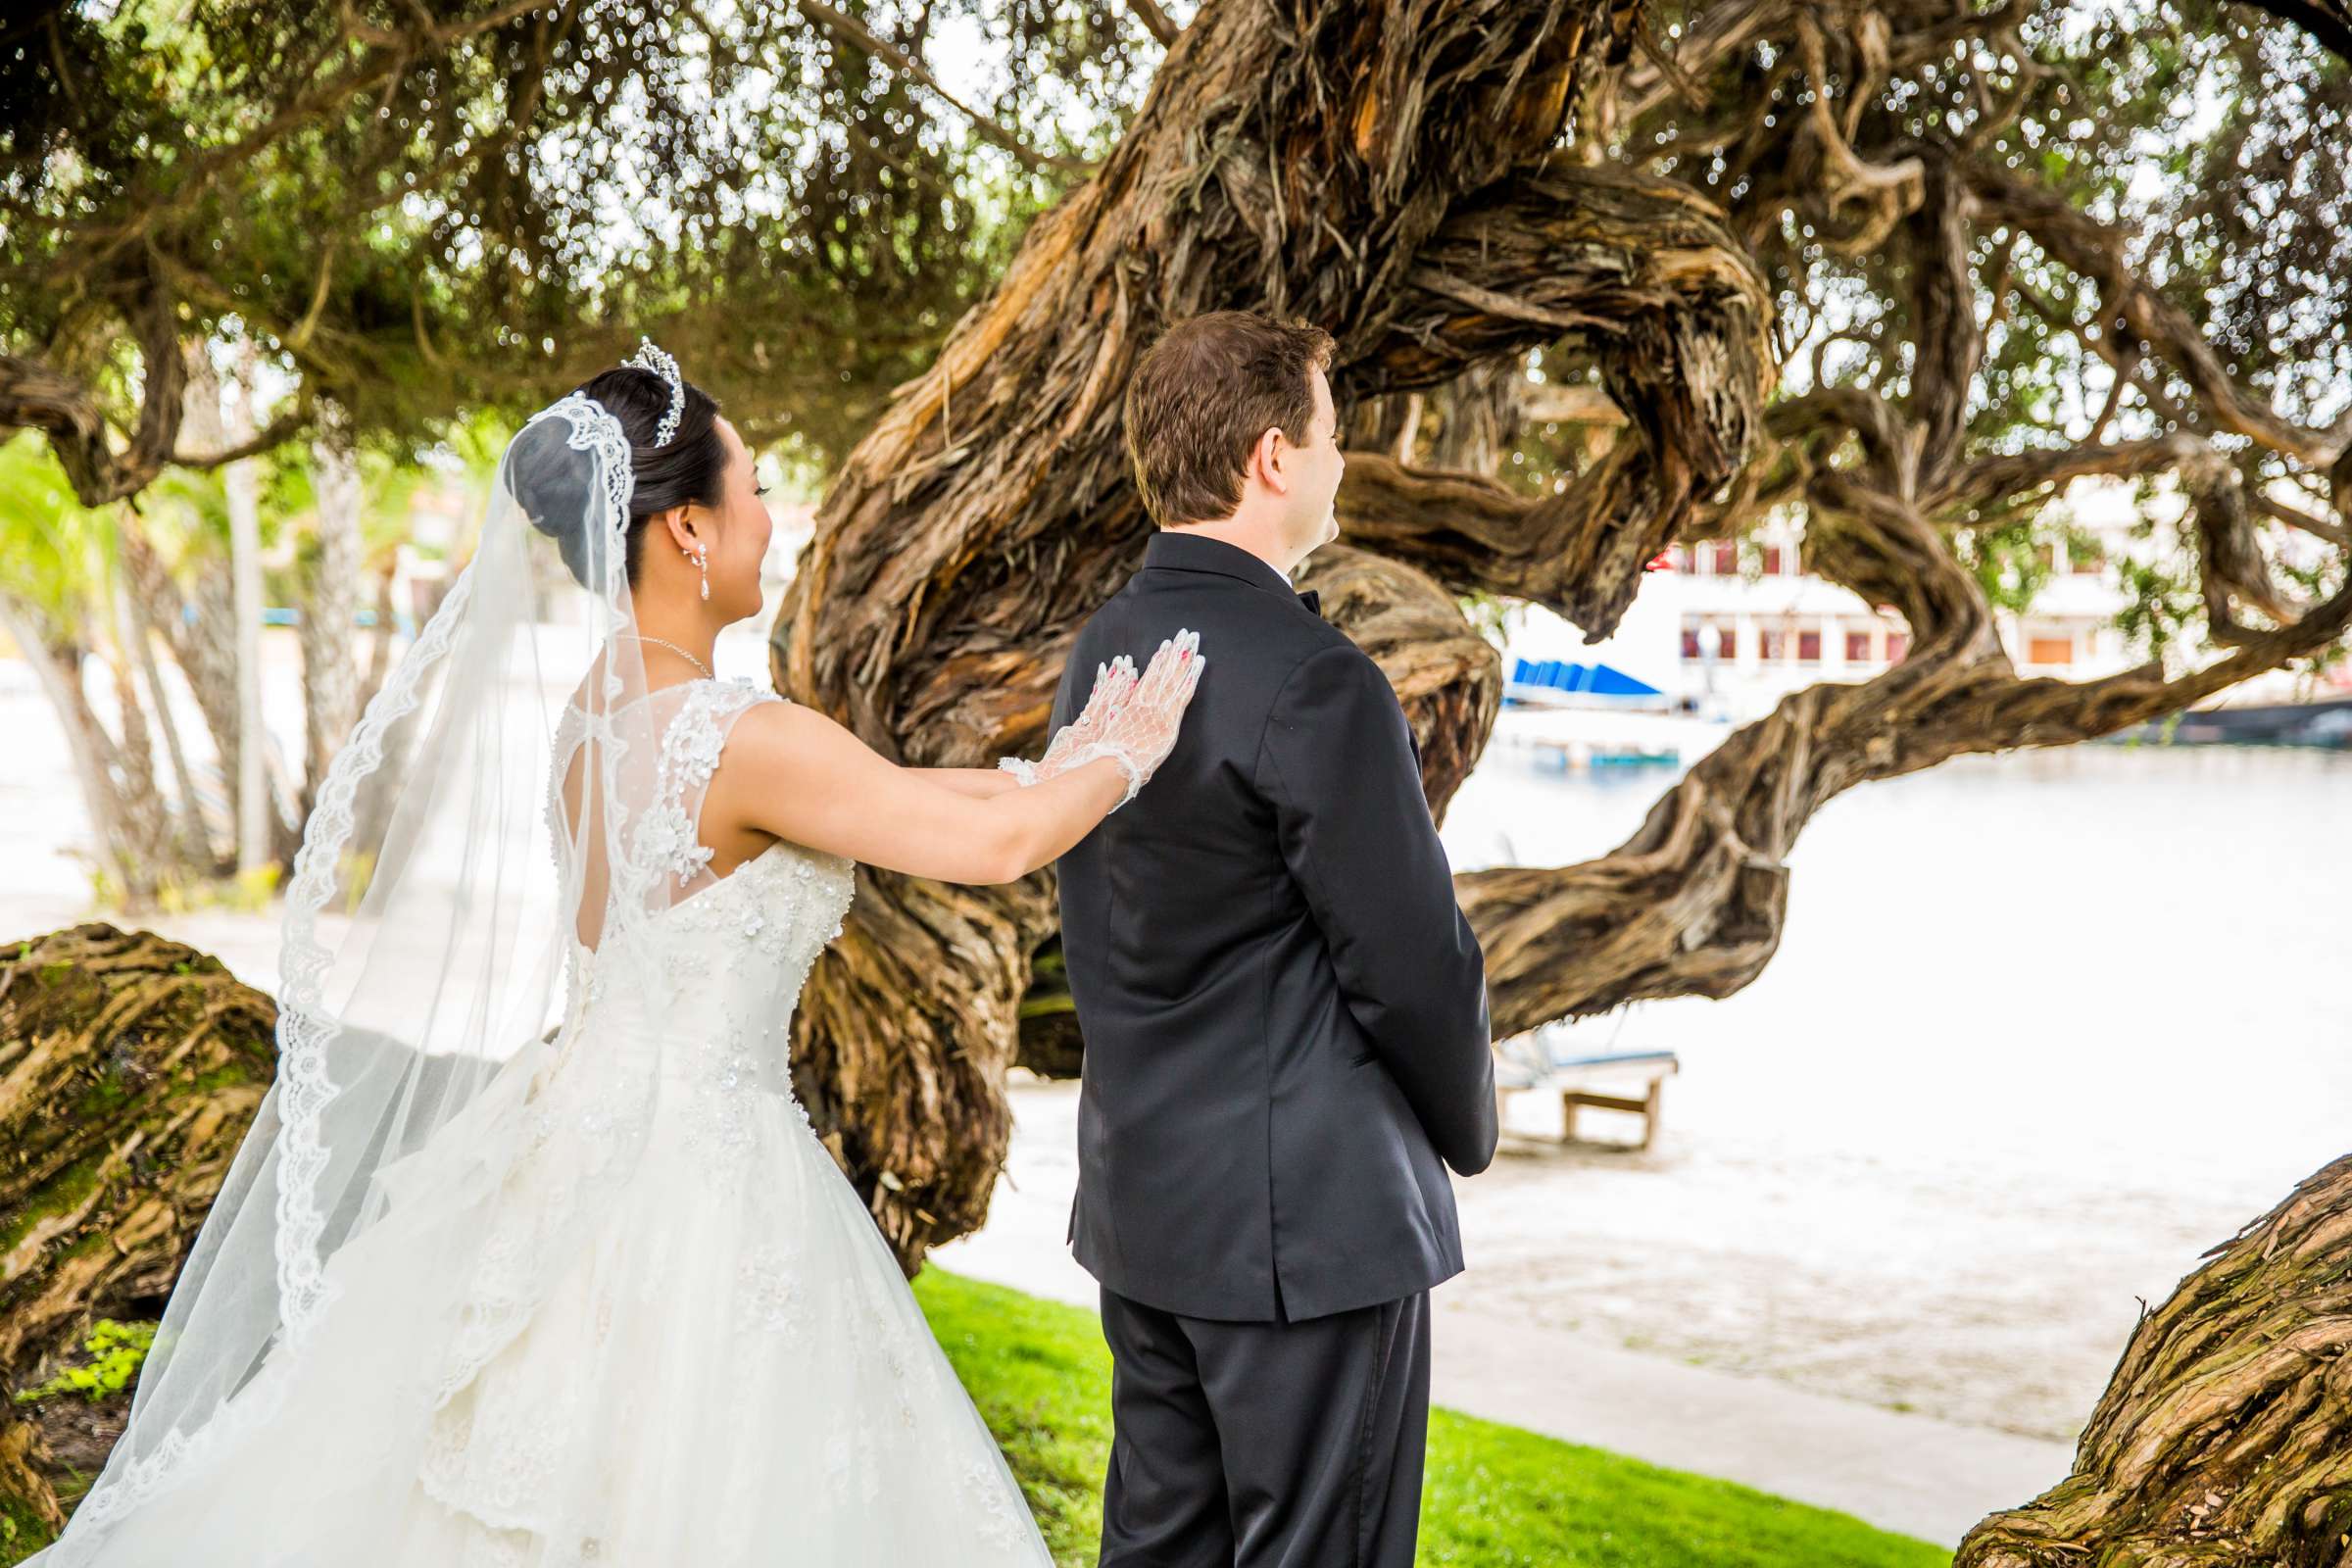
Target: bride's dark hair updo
<point>552,489</point>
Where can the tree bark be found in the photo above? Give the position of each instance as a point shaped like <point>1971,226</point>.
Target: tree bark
<point>36,395</point>
<point>330,670</point>
<point>58,669</point>
<point>254,813</point>
<point>238,635</point>
<point>209,661</point>
<point>148,854</point>
<point>1397,176</point>
<point>1320,162</point>
<point>192,848</point>
<point>2225,1434</point>
<point>131,1068</point>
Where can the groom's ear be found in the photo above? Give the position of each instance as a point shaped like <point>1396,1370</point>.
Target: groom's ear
<point>1267,456</point>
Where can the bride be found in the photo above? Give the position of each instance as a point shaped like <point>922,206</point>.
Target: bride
<point>531,1257</point>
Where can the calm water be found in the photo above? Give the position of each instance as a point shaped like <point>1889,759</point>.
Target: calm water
<point>2139,954</point>
<point>2042,1029</point>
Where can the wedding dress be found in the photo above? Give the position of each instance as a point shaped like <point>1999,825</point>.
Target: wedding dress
<point>733,1372</point>
<point>531,1259</point>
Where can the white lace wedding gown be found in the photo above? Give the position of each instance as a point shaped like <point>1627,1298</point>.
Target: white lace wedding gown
<point>732,1371</point>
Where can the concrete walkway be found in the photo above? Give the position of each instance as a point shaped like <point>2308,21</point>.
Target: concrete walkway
<point>1909,1473</point>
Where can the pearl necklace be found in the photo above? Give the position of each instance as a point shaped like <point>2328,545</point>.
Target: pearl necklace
<point>676,649</point>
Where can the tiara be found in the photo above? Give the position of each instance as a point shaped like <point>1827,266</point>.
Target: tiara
<point>652,357</point>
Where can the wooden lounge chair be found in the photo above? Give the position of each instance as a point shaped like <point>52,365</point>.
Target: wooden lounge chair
<point>1541,1060</point>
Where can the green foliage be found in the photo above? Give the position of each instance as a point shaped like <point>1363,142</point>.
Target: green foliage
<point>415,209</point>
<point>115,1352</point>
<point>58,554</point>
<point>2165,607</point>
<point>1495,1497</point>
<point>2211,134</point>
<point>2011,555</point>
<point>22,1533</point>
<point>247,892</point>
<point>1492,615</point>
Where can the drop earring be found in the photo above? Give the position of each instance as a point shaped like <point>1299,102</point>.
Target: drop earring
<point>700,559</point>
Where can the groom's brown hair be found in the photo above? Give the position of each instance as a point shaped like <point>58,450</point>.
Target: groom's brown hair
<point>1204,394</point>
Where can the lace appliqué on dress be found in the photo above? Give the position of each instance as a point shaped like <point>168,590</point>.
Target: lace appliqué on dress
<point>1003,1517</point>
<point>690,748</point>
<point>771,1296</point>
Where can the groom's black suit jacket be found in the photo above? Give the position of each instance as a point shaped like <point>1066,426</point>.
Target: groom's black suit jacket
<point>1283,1010</point>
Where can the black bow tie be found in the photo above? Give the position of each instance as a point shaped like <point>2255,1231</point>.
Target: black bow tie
<point>1314,600</point>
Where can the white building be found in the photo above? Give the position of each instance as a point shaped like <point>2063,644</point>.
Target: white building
<point>1726,628</point>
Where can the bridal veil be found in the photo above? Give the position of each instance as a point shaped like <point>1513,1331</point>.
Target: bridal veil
<point>445,886</point>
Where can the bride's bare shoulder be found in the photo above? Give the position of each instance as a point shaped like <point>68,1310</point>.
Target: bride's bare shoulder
<point>778,733</point>
<point>795,772</point>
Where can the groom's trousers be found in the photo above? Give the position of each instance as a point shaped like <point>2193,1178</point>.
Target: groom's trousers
<point>1266,1445</point>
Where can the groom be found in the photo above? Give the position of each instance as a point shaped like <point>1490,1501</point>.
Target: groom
<point>1284,1011</point>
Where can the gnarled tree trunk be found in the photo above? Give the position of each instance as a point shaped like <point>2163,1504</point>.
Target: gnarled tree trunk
<point>1415,178</point>
<point>331,667</point>
<point>2225,1435</point>
<point>1388,172</point>
<point>131,1068</point>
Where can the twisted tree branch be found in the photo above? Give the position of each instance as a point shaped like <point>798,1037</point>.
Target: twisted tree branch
<point>35,396</point>
<point>1693,903</point>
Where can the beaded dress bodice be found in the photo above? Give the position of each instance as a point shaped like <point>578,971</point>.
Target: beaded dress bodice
<point>710,982</point>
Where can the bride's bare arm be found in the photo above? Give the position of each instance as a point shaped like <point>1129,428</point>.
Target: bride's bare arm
<point>793,772</point>
<point>984,782</point>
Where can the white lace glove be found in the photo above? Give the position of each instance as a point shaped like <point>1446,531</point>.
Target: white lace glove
<point>1113,682</point>
<point>1132,720</point>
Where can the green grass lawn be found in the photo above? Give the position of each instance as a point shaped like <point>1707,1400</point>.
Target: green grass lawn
<point>1496,1496</point>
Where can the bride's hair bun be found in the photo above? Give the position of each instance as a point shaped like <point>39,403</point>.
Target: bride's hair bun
<point>550,481</point>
